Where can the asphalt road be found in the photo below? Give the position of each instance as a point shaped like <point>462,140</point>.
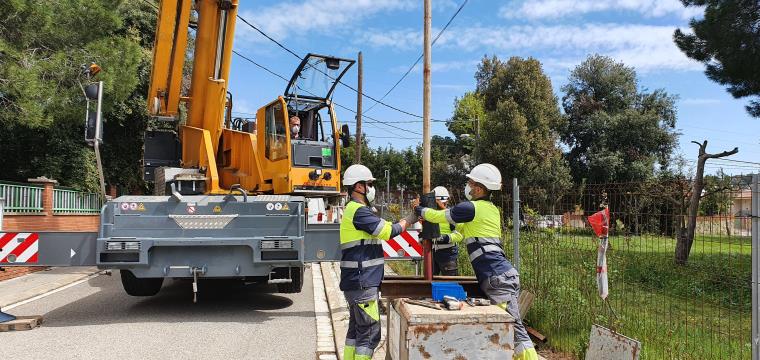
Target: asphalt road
<point>97,320</point>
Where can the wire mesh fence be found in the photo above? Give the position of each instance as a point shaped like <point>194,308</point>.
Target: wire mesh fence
<point>697,309</point>
<point>700,308</point>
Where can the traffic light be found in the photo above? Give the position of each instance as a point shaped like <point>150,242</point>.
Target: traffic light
<point>93,120</point>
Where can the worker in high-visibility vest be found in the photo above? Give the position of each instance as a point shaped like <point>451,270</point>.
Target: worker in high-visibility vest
<point>479,222</point>
<point>445,247</point>
<point>362,261</point>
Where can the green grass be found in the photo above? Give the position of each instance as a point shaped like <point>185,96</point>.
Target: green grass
<point>698,311</point>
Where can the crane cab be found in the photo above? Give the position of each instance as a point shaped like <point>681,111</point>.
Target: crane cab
<point>298,133</point>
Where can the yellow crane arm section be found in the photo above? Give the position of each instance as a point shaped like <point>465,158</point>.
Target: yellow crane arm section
<point>207,99</point>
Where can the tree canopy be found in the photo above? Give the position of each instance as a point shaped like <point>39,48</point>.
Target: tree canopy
<point>614,131</point>
<point>519,120</point>
<point>727,41</point>
<point>43,45</point>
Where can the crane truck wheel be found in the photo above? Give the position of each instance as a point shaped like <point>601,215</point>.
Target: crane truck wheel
<point>135,286</point>
<point>296,285</point>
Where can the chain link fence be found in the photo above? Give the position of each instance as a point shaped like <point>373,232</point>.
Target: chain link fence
<point>698,310</point>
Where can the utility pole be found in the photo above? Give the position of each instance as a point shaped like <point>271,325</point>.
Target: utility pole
<point>358,148</point>
<point>427,243</point>
<point>426,102</point>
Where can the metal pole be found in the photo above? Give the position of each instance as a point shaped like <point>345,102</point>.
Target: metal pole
<point>387,187</point>
<point>755,266</point>
<point>99,138</point>
<point>358,145</point>
<point>516,224</point>
<point>477,139</point>
<point>427,243</point>
<point>4,317</point>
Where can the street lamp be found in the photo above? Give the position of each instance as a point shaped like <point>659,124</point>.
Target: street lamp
<point>469,137</point>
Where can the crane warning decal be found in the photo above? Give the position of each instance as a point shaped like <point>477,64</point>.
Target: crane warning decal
<point>18,247</point>
<point>405,245</point>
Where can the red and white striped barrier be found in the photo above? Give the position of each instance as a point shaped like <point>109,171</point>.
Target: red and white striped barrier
<point>405,245</point>
<point>18,248</point>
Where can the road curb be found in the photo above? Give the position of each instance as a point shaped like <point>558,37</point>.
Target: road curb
<point>325,338</point>
<point>337,305</point>
<point>74,281</point>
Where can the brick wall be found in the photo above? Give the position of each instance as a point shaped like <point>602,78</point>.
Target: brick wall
<point>46,221</point>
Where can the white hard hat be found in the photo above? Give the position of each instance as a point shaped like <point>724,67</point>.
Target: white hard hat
<point>441,193</point>
<point>357,173</point>
<point>486,174</point>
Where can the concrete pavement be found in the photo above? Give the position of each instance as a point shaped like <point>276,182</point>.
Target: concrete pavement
<point>26,287</point>
<point>96,319</point>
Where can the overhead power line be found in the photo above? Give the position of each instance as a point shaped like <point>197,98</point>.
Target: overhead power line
<point>451,19</point>
<point>373,120</point>
<point>336,104</point>
<point>281,45</point>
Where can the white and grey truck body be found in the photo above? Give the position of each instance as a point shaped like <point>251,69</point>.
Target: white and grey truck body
<point>251,238</point>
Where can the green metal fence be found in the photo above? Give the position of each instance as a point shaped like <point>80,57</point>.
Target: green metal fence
<point>21,199</point>
<point>75,202</point>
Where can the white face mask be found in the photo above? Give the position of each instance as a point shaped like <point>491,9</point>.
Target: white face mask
<point>467,190</point>
<point>370,193</point>
<point>294,129</point>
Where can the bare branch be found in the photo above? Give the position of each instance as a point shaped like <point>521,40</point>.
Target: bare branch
<point>723,154</point>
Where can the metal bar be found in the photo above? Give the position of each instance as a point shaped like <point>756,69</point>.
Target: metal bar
<point>755,266</point>
<point>516,224</point>
<point>358,145</point>
<point>416,287</point>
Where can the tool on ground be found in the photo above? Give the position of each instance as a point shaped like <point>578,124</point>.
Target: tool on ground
<point>451,303</point>
<point>423,303</point>
<point>478,302</point>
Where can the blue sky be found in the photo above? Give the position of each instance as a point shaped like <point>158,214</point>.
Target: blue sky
<point>559,33</point>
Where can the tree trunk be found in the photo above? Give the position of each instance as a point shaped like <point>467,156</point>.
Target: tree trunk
<point>686,238</point>
<point>728,222</point>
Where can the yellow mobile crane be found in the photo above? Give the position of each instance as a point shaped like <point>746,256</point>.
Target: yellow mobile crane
<point>262,158</point>
<point>202,221</point>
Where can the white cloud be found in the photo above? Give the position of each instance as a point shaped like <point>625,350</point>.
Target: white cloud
<point>646,47</point>
<point>290,18</point>
<point>440,66</point>
<point>552,9</point>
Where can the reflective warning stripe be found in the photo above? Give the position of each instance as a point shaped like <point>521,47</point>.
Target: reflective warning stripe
<point>488,248</point>
<point>406,244</point>
<point>18,248</point>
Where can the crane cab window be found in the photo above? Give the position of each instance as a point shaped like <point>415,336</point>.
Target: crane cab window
<point>313,145</point>
<point>315,124</point>
<point>276,135</point>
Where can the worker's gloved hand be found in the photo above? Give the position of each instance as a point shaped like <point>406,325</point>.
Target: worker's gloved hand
<point>418,210</point>
<point>443,239</point>
<point>412,219</point>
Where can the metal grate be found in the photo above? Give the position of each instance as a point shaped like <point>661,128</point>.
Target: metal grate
<point>202,221</point>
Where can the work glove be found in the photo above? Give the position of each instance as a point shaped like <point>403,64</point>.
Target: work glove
<point>418,210</point>
<point>443,239</point>
<point>411,219</point>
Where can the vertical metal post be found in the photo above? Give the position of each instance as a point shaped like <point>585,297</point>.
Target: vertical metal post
<point>99,139</point>
<point>3,316</point>
<point>358,145</point>
<point>516,224</point>
<point>755,266</point>
<point>387,188</point>
<point>427,243</point>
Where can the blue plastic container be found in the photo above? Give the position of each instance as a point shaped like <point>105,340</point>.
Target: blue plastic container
<point>448,288</point>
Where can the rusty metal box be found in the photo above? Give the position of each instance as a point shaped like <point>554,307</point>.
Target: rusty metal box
<point>416,332</point>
